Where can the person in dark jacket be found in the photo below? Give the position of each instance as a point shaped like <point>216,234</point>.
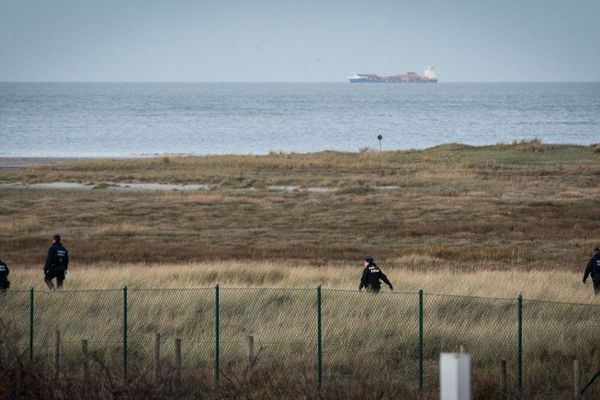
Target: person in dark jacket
<point>593,269</point>
<point>4,282</point>
<point>57,263</point>
<point>372,275</point>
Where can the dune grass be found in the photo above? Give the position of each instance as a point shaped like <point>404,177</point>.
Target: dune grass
<point>407,273</point>
<point>364,335</point>
<point>334,169</point>
<point>457,221</point>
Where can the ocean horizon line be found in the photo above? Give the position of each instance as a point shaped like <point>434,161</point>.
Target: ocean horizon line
<point>276,82</point>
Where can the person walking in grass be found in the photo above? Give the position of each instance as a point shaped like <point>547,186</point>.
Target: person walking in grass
<point>4,282</point>
<point>57,263</point>
<point>372,275</point>
<point>593,269</point>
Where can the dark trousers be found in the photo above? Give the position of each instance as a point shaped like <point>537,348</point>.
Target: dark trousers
<point>596,286</point>
<point>374,288</point>
<point>58,273</point>
<point>4,285</point>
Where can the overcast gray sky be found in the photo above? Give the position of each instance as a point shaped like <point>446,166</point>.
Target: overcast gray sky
<point>179,40</point>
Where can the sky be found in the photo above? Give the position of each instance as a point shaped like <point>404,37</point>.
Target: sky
<point>298,41</point>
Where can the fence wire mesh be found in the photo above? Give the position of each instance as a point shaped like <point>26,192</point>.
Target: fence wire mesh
<point>92,315</point>
<point>483,327</point>
<point>363,336</point>
<point>186,314</point>
<point>14,320</point>
<point>374,335</point>
<point>555,334</point>
<point>282,324</point>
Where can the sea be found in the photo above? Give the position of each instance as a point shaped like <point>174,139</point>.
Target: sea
<point>146,119</point>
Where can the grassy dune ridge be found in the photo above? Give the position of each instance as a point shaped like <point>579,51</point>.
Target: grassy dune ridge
<point>329,168</point>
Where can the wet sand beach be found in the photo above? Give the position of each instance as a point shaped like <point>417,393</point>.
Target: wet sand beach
<point>19,162</point>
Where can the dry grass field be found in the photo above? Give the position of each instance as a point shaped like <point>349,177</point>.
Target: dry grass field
<point>406,273</point>
<point>454,220</point>
<point>523,206</point>
<point>275,302</point>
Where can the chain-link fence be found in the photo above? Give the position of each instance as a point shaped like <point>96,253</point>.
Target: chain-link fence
<point>484,327</point>
<point>322,338</point>
<point>371,337</point>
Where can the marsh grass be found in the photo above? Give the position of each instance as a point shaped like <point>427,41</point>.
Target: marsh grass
<point>505,206</point>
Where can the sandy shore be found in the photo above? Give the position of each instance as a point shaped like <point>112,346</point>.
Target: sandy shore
<point>19,162</point>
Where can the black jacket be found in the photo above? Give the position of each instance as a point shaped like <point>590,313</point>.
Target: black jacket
<point>371,277</point>
<point>593,268</point>
<point>3,271</point>
<point>58,257</point>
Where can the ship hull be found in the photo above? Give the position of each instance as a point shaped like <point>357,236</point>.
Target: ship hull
<point>377,81</point>
<point>429,76</point>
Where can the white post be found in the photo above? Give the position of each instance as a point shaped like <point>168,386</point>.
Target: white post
<point>455,376</point>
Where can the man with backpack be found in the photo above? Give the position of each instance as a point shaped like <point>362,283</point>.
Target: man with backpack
<point>372,275</point>
<point>593,269</point>
<point>57,263</point>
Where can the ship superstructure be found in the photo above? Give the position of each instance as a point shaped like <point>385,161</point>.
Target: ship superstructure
<point>429,76</point>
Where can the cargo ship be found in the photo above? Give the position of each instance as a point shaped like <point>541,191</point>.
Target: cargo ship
<point>429,76</point>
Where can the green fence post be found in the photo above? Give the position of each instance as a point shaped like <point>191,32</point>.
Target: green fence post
<point>421,334</point>
<point>31,321</point>
<point>520,344</point>
<point>319,340</point>
<point>125,327</point>
<point>217,328</point>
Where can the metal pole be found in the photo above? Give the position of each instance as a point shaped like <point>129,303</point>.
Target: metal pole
<point>576,379</point>
<point>319,340</point>
<point>86,360</point>
<point>587,385</point>
<point>421,341</point>
<point>503,380</point>
<point>520,345</point>
<point>250,350</point>
<point>217,339</point>
<point>31,321</point>
<point>57,356</point>
<point>178,359</point>
<point>157,357</point>
<point>125,327</point>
